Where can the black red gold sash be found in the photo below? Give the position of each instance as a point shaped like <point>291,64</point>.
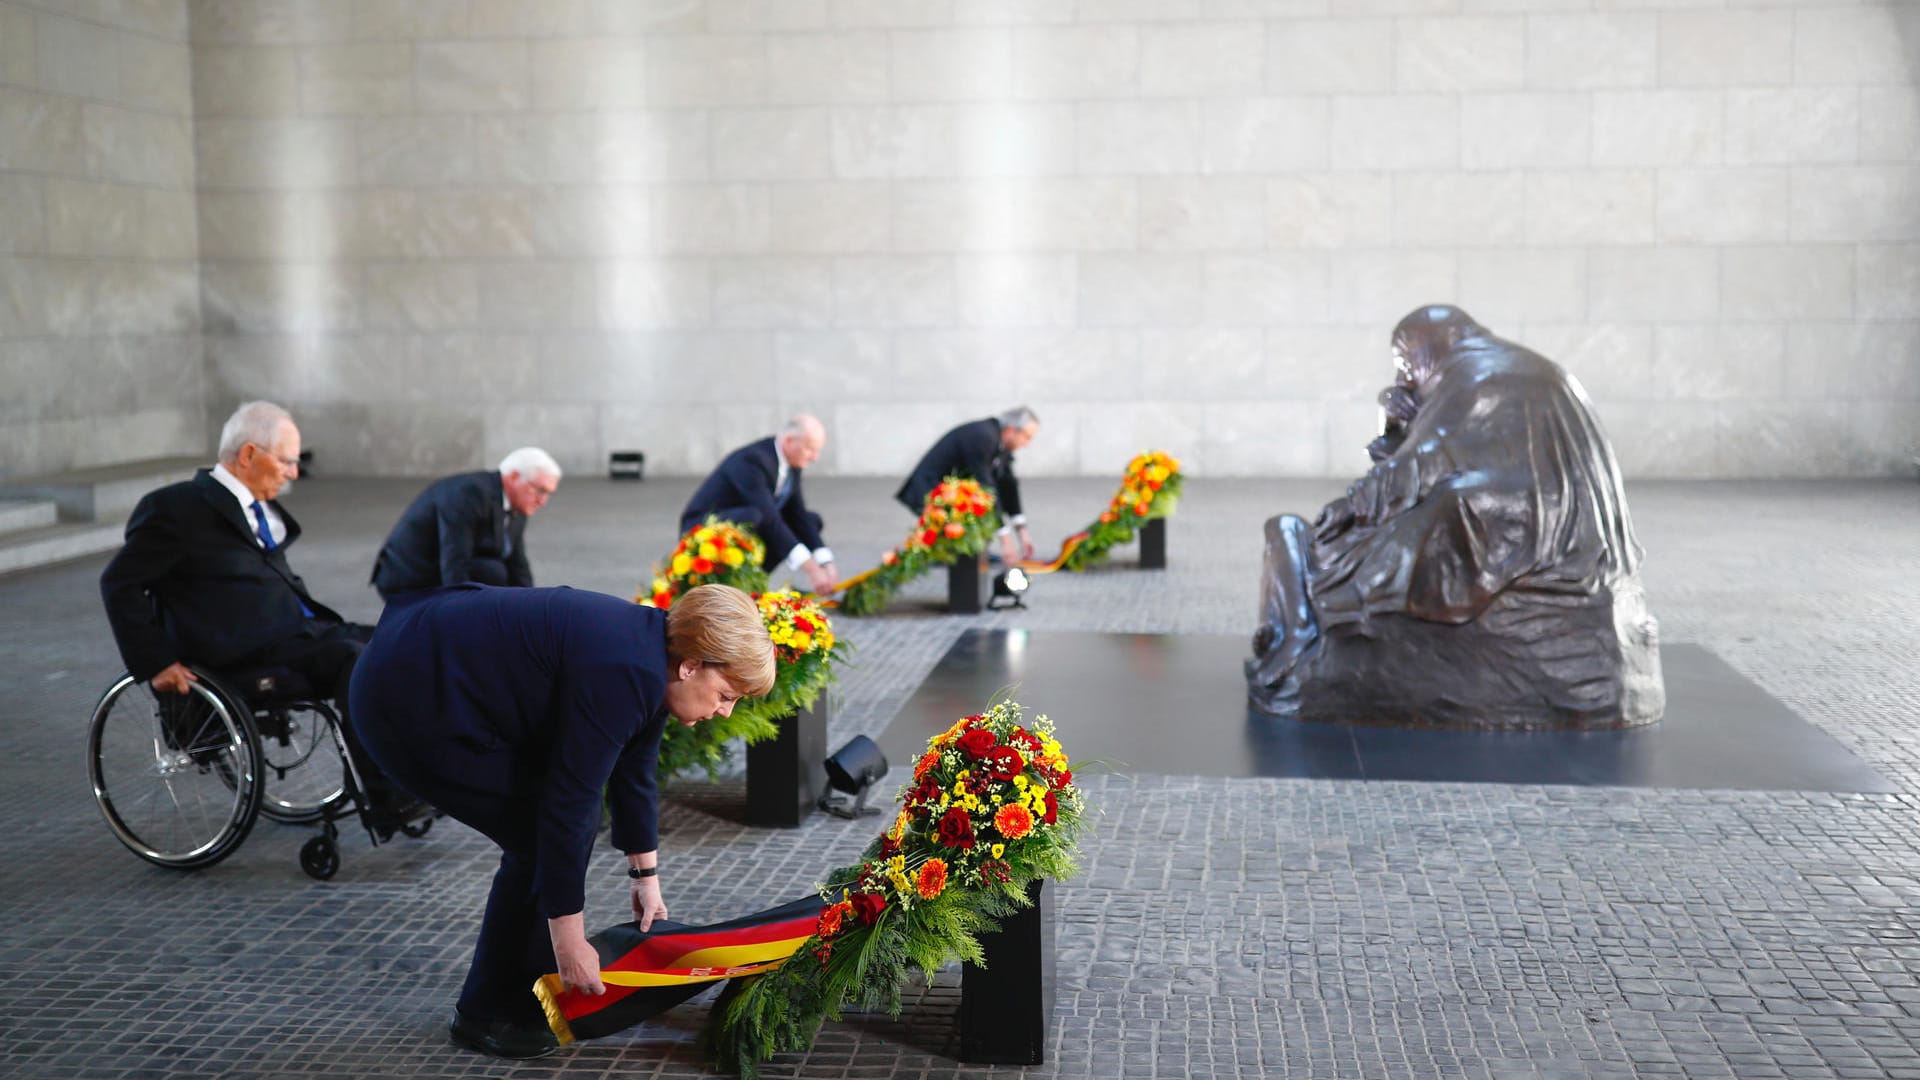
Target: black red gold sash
<point>647,974</point>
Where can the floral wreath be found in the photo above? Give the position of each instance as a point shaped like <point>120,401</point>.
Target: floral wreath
<point>991,809</point>
<point>1149,489</point>
<point>714,552</point>
<point>956,523</point>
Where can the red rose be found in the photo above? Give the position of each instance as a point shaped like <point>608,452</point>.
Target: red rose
<point>1052,813</point>
<point>803,624</point>
<point>868,906</point>
<point>927,792</point>
<point>1004,763</point>
<point>976,743</point>
<point>955,829</point>
<point>702,566</point>
<point>889,847</point>
<point>1154,484</point>
<point>929,537</point>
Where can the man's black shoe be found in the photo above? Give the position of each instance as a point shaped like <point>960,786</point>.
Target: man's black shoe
<point>392,814</point>
<point>502,1038</point>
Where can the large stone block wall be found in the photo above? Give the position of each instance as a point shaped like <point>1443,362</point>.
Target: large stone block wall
<point>100,353</point>
<point>441,228</point>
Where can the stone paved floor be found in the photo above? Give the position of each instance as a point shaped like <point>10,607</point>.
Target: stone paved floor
<point>1245,928</point>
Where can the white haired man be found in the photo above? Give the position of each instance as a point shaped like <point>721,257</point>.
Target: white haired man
<point>981,450</point>
<point>469,527</point>
<point>758,486</point>
<point>203,579</point>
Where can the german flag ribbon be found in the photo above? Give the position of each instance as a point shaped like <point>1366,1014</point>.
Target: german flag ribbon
<point>648,973</point>
<point>1031,566</point>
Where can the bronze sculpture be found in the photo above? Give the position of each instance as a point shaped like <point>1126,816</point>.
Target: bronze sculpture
<point>1482,574</point>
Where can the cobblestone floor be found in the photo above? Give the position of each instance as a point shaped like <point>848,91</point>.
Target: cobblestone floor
<point>1223,928</point>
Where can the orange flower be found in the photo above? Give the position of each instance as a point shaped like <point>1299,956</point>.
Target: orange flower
<point>1013,821</point>
<point>1139,510</point>
<point>1106,517</point>
<point>663,600</point>
<point>933,879</point>
<point>831,918</point>
<point>955,530</point>
<point>702,566</point>
<point>889,558</point>
<point>927,763</point>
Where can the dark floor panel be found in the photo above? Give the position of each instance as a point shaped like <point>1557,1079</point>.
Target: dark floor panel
<point>1175,704</point>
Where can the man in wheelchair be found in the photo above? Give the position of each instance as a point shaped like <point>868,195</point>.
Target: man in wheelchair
<point>204,577</point>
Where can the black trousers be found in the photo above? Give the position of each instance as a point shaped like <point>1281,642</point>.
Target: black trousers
<point>324,654</point>
<point>498,796</point>
<point>752,518</point>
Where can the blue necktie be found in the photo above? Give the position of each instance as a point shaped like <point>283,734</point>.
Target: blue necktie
<point>260,525</point>
<point>785,491</point>
<point>266,541</point>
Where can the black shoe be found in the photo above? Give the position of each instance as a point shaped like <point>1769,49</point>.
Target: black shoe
<point>395,813</point>
<point>502,1038</point>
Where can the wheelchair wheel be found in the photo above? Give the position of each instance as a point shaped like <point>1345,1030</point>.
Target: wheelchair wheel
<point>177,776</point>
<point>303,762</point>
<point>320,858</point>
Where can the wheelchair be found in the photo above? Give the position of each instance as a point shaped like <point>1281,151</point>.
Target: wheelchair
<point>182,778</point>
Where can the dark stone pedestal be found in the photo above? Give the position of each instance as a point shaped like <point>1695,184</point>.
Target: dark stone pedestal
<point>1006,1007</point>
<point>787,773</point>
<point>1153,544</point>
<point>967,585</point>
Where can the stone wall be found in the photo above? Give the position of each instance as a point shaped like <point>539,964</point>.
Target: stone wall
<point>443,228</point>
<point>100,353</point>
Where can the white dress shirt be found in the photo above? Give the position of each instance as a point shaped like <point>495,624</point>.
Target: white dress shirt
<point>799,555</point>
<point>274,524</point>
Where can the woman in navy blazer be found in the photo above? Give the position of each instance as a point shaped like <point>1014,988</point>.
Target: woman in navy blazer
<point>512,710</point>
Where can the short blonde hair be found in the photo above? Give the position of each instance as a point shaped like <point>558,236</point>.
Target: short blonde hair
<point>720,626</point>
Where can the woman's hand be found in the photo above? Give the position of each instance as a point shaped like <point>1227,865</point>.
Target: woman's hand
<point>578,961</point>
<point>647,905</point>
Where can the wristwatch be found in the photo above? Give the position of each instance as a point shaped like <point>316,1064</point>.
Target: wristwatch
<point>637,872</point>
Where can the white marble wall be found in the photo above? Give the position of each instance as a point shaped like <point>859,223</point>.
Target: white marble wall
<point>441,228</point>
<point>100,354</point>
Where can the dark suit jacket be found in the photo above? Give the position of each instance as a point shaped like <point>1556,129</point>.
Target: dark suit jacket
<point>457,529</point>
<point>536,697</point>
<point>972,450</point>
<point>740,489</point>
<point>220,595</point>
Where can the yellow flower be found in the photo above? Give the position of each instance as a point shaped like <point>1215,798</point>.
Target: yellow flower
<point>681,564</point>
<point>733,557</point>
<point>708,551</point>
<point>899,826</point>
<point>802,642</point>
<point>999,850</point>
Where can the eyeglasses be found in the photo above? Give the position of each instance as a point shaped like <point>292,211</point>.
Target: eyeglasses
<point>290,464</point>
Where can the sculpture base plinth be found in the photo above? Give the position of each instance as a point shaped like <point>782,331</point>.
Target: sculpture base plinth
<point>1153,544</point>
<point>1006,1007</point>
<point>967,585</point>
<point>786,774</point>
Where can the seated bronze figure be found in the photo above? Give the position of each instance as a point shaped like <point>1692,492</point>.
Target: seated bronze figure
<point>1482,574</point>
